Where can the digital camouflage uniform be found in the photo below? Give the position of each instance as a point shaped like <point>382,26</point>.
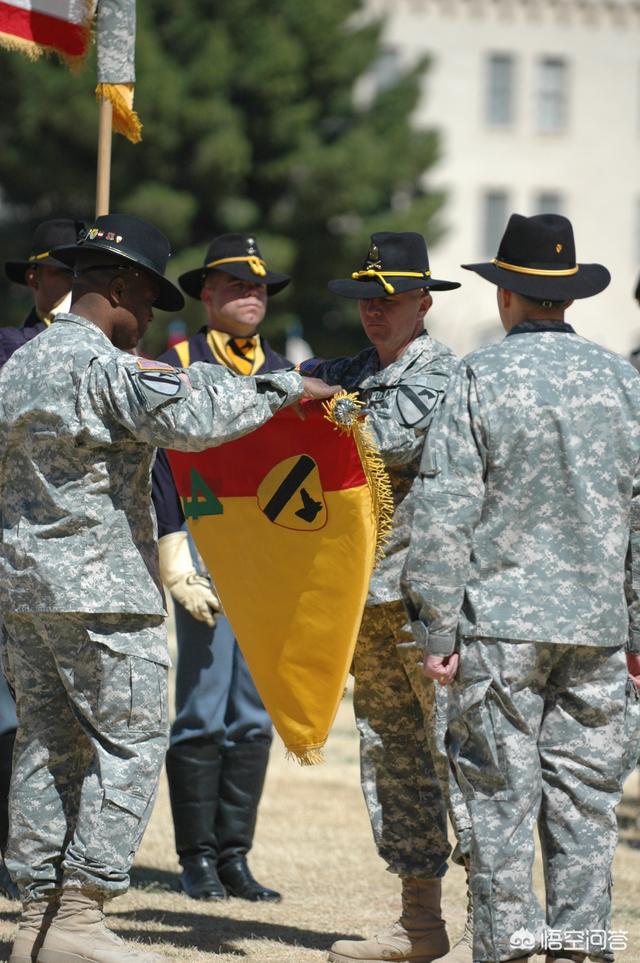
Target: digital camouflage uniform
<point>80,590</point>
<point>10,340</point>
<point>402,771</point>
<point>13,338</point>
<point>116,41</point>
<point>527,506</point>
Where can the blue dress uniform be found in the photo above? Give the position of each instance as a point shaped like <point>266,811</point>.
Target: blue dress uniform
<point>221,736</point>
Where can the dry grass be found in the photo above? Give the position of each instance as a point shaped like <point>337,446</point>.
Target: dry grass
<point>314,844</point>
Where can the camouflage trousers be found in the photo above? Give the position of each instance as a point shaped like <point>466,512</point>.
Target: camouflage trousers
<point>541,733</point>
<point>402,772</point>
<point>91,739</point>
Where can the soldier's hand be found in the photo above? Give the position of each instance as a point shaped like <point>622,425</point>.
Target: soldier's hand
<point>633,667</point>
<point>317,390</point>
<point>441,668</point>
<point>195,594</point>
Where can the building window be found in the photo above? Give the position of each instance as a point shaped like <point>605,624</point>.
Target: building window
<point>387,68</point>
<point>548,202</point>
<point>494,221</point>
<point>552,94</point>
<point>500,86</point>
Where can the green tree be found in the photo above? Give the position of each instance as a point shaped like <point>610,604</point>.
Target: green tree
<point>250,123</point>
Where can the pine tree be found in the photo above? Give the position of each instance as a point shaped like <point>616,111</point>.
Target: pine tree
<point>251,124</point>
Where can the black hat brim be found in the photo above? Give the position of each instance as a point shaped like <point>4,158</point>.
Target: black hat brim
<point>191,281</point>
<point>365,290</point>
<point>590,279</point>
<point>169,297</point>
<point>16,270</point>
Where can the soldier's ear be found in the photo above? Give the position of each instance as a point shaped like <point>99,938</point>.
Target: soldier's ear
<point>425,303</point>
<point>31,278</point>
<point>117,287</point>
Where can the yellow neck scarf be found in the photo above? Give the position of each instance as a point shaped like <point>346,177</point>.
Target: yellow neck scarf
<point>245,356</point>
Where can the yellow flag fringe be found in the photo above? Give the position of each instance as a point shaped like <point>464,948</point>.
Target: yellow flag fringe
<point>29,48</point>
<point>354,423</point>
<point>306,757</point>
<point>125,119</point>
<point>34,50</point>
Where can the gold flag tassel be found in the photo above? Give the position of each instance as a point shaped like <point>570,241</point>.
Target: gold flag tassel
<point>125,119</point>
<point>343,411</point>
<point>306,757</point>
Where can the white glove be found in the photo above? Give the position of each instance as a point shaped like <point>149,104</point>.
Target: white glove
<point>192,591</point>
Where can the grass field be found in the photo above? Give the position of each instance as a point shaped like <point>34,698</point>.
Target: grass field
<point>314,844</point>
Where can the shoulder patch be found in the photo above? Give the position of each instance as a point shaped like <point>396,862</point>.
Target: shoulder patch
<point>415,403</point>
<point>157,386</point>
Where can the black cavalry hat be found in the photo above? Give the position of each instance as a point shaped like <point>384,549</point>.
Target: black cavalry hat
<point>238,255</point>
<point>395,263</point>
<point>47,235</point>
<point>136,242</point>
<point>537,258</point>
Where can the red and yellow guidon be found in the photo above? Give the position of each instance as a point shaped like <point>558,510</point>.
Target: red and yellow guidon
<point>284,520</point>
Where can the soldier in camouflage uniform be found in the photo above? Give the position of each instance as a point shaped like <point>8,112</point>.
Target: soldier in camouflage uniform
<point>85,642</point>
<point>522,580</point>
<point>634,357</point>
<point>401,378</point>
<point>49,281</point>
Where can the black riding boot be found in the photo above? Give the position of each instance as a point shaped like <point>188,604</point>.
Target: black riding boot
<point>244,767</point>
<point>193,771</point>
<point>7,886</point>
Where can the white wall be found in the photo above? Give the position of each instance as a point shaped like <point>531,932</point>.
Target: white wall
<point>594,164</point>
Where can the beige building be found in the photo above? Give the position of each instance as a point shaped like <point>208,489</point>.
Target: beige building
<point>538,106</point>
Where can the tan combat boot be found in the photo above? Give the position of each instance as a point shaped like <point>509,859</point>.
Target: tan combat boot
<point>79,934</point>
<point>462,949</point>
<point>32,927</point>
<point>419,936</point>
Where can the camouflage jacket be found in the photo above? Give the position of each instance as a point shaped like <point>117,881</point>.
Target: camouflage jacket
<point>79,422</point>
<point>13,338</point>
<point>401,399</point>
<point>527,516</point>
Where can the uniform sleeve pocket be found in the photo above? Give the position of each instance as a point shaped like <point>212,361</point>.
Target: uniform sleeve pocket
<point>148,686</point>
<point>429,462</point>
<point>135,805</point>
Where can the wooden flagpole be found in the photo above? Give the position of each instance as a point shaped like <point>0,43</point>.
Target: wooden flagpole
<point>103,181</point>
